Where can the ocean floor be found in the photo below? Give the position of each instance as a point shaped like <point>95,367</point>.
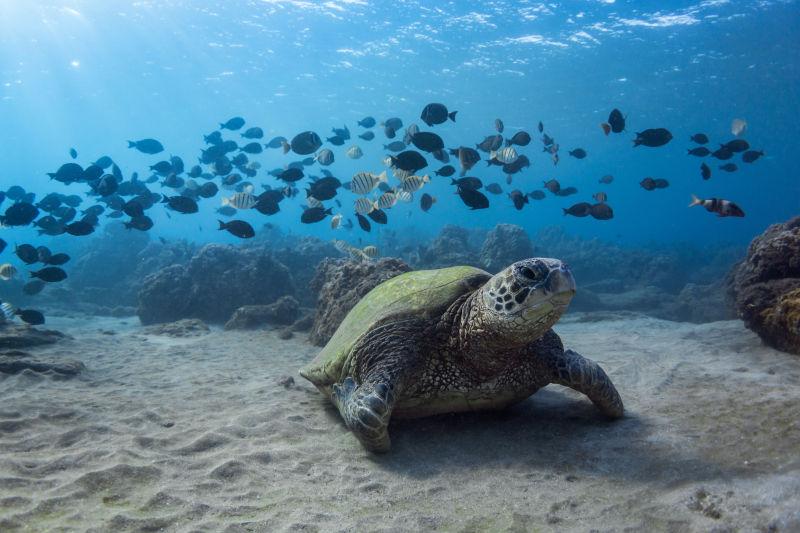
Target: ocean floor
<point>204,434</point>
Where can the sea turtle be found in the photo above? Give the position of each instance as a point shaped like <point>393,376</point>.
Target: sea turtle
<point>453,339</point>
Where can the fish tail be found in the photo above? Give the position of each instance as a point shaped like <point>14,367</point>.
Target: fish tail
<point>221,224</point>
<point>383,177</point>
<point>695,201</point>
<point>226,201</point>
<point>452,115</point>
<point>566,212</point>
<point>131,144</point>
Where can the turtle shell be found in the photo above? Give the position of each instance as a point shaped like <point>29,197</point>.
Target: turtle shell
<point>419,293</point>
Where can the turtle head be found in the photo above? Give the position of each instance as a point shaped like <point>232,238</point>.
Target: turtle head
<point>523,301</point>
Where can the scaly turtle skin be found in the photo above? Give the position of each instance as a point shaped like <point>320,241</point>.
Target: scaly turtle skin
<point>455,339</point>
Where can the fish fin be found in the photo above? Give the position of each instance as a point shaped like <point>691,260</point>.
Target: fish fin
<point>226,201</point>
<point>452,115</point>
<point>131,144</point>
<point>221,224</point>
<point>695,201</point>
<point>606,128</point>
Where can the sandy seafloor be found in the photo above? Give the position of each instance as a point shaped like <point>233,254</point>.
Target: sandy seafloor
<point>198,434</point>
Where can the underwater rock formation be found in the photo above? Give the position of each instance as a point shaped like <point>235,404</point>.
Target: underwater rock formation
<point>16,336</point>
<point>451,247</point>
<point>301,257</point>
<point>187,327</point>
<point>340,284</point>
<point>765,286</point>
<point>505,244</point>
<point>17,361</point>
<point>285,311</point>
<point>218,280</point>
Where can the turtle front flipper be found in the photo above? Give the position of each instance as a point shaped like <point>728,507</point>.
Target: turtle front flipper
<point>584,375</point>
<point>366,410</point>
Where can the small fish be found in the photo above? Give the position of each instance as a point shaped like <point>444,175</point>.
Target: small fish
<point>615,124</point>
<point>367,122</point>
<point>365,182</point>
<point>601,212</point>
<point>541,127</point>
<point>27,253</point>
<point>30,316</point>
<point>33,287</point>
<point>738,126</point>
<point>253,133</point>
<point>705,171</point>
<point>354,152</point>
<point>518,198</point>
<point>314,214</point>
<point>379,216</point>
<point>600,197</point>
<point>50,274</point>
<point>73,153</point>
<point>581,209</point>
<point>387,200</point>
<point>653,137</point>
<point>367,135</point>
<point>238,228</point>
<point>364,206</point>
<point>234,123</point>
<point>142,223</point>
<point>363,222</point>
<point>446,171</point>
<point>752,156</point>
<point>553,186</point>
<point>325,157</point>
<point>415,183</point>
<point>521,138</point>
<point>468,182</point>
<point>608,178</point>
<point>57,259</point>
<point>699,138</point>
<point>473,199</point>
<point>147,146</point>
<point>737,145</point>
<point>536,195</point>
<point>498,125</point>
<point>700,151</point>
<point>722,153</point>
<point>506,156</point>
<point>729,167</point>
<point>336,220</point>
<point>723,208</point>
<point>79,228</point>
<point>370,251</point>
<point>7,271</point>
<point>241,200</point>
<point>404,196</point>
<point>578,153</point>
<point>436,113</point>
<point>648,184</point>
<point>426,201</point>
<point>494,188</point>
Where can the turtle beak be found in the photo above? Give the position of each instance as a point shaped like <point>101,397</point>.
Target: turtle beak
<point>560,283</point>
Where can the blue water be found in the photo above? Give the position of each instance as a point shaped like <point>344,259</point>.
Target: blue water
<point>91,75</point>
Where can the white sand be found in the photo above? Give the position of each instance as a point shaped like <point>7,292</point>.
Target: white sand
<point>197,434</point>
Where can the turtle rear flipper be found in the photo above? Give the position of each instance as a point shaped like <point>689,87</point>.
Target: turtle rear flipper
<point>366,410</point>
<point>584,375</point>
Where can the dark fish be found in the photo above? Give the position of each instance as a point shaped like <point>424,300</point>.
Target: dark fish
<point>324,188</point>
<point>608,178</point>
<point>737,145</point>
<point>73,153</point>
<point>426,201</point>
<point>73,200</point>
<point>266,204</point>
<point>133,208</point>
<point>427,141</point>
<point>278,142</point>
<point>410,161</point>
<point>344,133</point>
<point>699,138</point>
<point>653,137</point>
<point>494,188</point>
<point>3,245</point>
<point>473,199</point>
<point>498,125</point>
<point>729,167</point>
<point>290,175</point>
<point>304,143</point>
<point>33,287</point>
<point>436,114</point>
<point>253,133</point>
<point>547,141</point>
<point>104,162</point>
<point>700,151</point>
<point>15,192</point>
<point>162,167</point>
<point>115,214</point>
<point>215,137</point>
<point>521,138</point>
<point>232,124</point>
<point>467,157</point>
<point>181,204</point>
<point>367,122</point>
<point>541,127</point>
<point>142,223</point>
<point>751,156</point>
<point>722,153</point>
<point>661,183</point>
<point>616,121</point>
<point>723,208</point>
<point>207,190</point>
<point>106,185</point>
<point>378,216</point>
<point>578,153</point>
<point>147,146</point>
<point>396,146</point>
<point>446,171</point>
<point>566,191</point>
<point>367,135</point>
<point>30,316</point>
<point>336,140</point>
<point>314,214</point>
<point>252,148</point>
<point>581,209</point>
<point>705,171</point>
<point>648,184</point>
<point>80,228</point>
<point>363,223</point>
<point>27,253</point>
<point>601,212</point>
<point>518,198</point>
<point>390,132</point>
<point>469,182</point>
<point>229,211</point>
<point>19,214</point>
<point>490,143</point>
<point>553,186</point>
<point>536,195</point>
<point>238,228</point>
<point>50,274</point>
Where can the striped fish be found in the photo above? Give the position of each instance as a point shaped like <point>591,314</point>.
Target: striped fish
<point>415,183</point>
<point>370,251</point>
<point>387,200</point>
<point>506,156</point>
<point>365,206</point>
<point>400,174</point>
<point>7,271</point>
<point>241,200</point>
<point>365,182</point>
<point>313,202</point>
<point>405,196</point>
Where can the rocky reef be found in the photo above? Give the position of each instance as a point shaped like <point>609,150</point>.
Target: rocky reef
<point>505,244</point>
<point>285,311</point>
<point>340,284</point>
<point>765,286</point>
<point>216,281</point>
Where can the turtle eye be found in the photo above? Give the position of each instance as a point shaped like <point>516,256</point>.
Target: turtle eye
<point>528,273</point>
